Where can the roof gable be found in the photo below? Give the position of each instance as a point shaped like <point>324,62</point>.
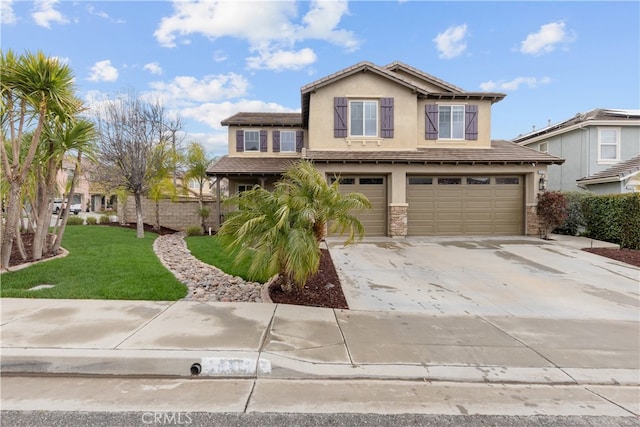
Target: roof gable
<point>617,172</point>
<point>601,115</point>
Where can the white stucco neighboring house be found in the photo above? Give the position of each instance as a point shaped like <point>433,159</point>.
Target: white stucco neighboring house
<point>594,144</point>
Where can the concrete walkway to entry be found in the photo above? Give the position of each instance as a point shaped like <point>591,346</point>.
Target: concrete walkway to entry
<point>487,276</point>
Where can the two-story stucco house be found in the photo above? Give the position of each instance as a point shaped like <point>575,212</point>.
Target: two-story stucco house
<point>418,147</point>
<point>593,145</point>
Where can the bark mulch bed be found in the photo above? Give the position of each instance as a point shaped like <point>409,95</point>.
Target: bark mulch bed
<point>628,256</point>
<point>321,290</point>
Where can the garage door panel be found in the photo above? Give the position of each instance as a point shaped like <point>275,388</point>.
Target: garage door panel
<point>471,205</point>
<point>374,220</point>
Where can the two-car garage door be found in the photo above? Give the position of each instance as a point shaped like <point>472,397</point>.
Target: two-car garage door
<point>446,205</point>
<point>460,205</point>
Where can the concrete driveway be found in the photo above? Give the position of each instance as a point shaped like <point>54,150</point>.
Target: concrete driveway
<point>506,276</point>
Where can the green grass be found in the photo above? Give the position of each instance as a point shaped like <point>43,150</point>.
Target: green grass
<point>103,263</point>
<point>211,250</point>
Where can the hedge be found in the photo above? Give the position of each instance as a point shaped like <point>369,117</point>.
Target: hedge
<point>613,218</point>
<point>575,222</point>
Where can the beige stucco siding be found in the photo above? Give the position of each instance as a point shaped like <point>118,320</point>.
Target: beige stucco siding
<point>362,86</point>
<point>484,126</point>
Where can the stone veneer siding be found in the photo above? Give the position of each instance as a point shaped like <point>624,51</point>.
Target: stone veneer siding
<point>533,225</point>
<point>398,220</point>
<point>177,215</point>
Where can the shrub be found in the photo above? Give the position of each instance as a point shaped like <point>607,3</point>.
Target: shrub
<point>92,220</point>
<point>575,222</point>
<point>614,218</point>
<point>194,230</point>
<point>104,219</point>
<point>75,220</point>
<point>552,211</point>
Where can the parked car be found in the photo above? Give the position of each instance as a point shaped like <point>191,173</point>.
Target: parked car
<point>76,208</point>
<point>59,204</point>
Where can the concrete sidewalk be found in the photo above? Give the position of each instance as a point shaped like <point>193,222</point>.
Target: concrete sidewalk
<point>94,355</point>
<point>95,337</point>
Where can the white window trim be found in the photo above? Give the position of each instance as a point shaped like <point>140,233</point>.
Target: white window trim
<point>363,122</point>
<point>618,144</point>
<point>464,112</point>
<point>543,147</point>
<point>294,141</point>
<point>245,141</point>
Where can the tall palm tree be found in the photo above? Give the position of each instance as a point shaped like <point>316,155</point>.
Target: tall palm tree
<point>32,86</point>
<point>196,164</point>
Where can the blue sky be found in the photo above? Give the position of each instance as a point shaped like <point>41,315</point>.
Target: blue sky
<point>210,60</point>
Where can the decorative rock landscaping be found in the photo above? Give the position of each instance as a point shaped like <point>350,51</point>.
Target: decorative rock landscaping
<point>205,282</point>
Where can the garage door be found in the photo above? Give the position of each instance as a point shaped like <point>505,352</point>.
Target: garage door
<point>459,205</point>
<point>375,188</point>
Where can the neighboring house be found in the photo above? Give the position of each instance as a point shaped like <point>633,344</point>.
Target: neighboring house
<point>590,143</point>
<point>623,177</point>
<point>418,147</point>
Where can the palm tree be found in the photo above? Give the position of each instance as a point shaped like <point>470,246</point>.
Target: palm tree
<point>196,163</point>
<point>275,237</point>
<point>323,203</point>
<point>280,230</point>
<point>33,87</point>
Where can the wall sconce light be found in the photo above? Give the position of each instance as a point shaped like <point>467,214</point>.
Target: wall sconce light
<point>542,184</point>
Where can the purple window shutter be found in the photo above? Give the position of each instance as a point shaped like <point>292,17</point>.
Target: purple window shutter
<point>431,121</point>
<point>239,141</point>
<point>471,122</point>
<point>263,141</point>
<point>386,130</point>
<point>299,140</point>
<point>339,117</point>
<point>276,141</point>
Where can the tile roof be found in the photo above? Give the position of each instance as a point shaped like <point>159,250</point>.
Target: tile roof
<point>397,65</point>
<point>251,165</point>
<point>264,119</point>
<point>617,172</point>
<point>501,152</point>
<point>599,114</point>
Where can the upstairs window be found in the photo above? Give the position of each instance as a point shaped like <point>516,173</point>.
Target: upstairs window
<point>451,122</point>
<point>608,145</point>
<point>287,141</point>
<point>363,118</point>
<point>543,147</point>
<point>251,140</point>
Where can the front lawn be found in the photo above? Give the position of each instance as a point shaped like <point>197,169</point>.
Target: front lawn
<point>104,262</point>
<point>211,250</point>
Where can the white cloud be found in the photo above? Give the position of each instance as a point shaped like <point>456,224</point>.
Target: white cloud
<point>153,68</point>
<point>270,27</point>
<point>546,39</point>
<point>6,12</point>
<point>44,13</point>
<point>502,85</point>
<point>103,71</point>
<point>282,60</point>
<point>451,43</point>
<point>188,90</point>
